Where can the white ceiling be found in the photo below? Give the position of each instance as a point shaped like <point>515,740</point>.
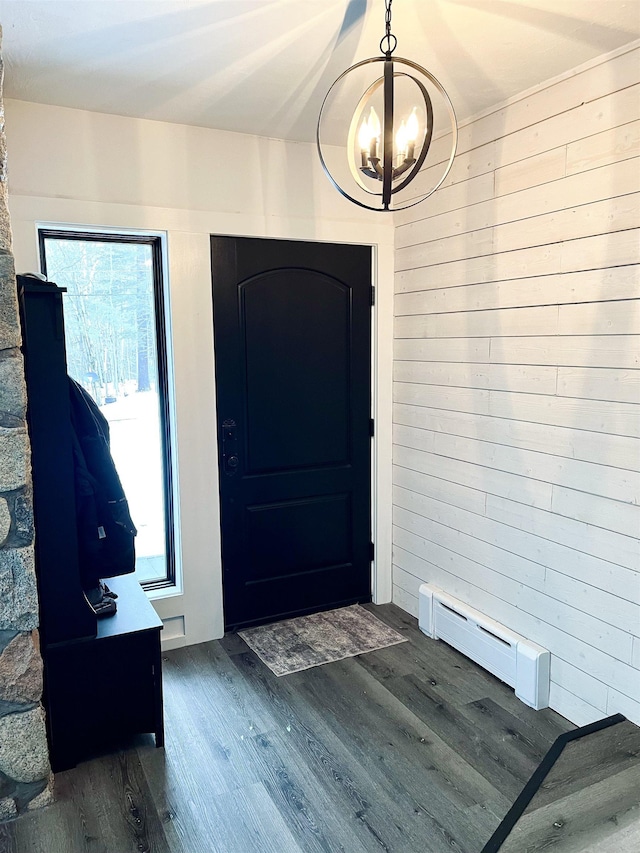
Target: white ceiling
<point>263,66</point>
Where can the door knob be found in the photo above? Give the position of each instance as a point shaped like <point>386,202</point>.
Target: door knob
<point>230,459</point>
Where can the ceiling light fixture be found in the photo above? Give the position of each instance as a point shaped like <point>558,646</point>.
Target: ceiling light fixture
<point>391,130</point>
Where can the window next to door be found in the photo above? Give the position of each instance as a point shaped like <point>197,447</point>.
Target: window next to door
<point>117,348</point>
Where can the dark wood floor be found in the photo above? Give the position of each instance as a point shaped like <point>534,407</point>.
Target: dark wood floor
<point>590,801</point>
<point>412,749</point>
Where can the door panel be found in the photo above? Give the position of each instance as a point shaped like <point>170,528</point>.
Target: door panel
<point>302,320</point>
<point>274,553</point>
<point>292,338</point>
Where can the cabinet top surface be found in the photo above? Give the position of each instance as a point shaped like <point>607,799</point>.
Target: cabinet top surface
<point>135,612</point>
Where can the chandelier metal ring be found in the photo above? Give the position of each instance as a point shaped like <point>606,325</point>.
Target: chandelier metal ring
<point>415,167</point>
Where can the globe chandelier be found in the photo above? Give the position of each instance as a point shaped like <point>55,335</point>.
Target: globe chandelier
<point>391,131</point>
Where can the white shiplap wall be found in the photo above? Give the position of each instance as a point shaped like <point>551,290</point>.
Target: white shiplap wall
<point>517,381</point>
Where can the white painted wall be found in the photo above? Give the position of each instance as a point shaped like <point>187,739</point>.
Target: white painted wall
<point>517,348</point>
<point>88,169</point>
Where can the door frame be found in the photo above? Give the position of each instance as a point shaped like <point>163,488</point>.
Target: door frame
<point>351,264</point>
<point>381,585</point>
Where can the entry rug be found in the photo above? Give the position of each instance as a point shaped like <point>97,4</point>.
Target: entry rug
<point>308,641</point>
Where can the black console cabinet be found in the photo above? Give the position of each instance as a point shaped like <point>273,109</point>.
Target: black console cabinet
<point>102,678</point>
<point>102,690</point>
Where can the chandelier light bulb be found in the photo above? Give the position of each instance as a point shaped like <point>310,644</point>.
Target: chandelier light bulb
<point>364,137</point>
<point>402,140</point>
<point>413,131</point>
<point>369,136</point>
<point>374,123</point>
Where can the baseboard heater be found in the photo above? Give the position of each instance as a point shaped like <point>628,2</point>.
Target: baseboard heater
<point>512,658</point>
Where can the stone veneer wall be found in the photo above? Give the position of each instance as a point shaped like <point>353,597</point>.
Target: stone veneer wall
<point>25,777</point>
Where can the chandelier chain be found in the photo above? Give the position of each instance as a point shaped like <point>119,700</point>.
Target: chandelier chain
<point>389,42</point>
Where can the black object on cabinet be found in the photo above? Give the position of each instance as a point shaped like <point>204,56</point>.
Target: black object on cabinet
<point>102,678</point>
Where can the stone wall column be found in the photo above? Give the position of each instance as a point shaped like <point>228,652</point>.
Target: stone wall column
<point>25,777</point>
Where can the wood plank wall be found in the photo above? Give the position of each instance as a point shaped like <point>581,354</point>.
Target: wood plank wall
<point>517,381</point>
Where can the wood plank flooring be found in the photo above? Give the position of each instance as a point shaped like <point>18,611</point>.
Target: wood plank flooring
<point>590,801</point>
<point>411,749</point>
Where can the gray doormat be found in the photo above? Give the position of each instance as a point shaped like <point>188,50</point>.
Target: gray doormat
<point>307,641</point>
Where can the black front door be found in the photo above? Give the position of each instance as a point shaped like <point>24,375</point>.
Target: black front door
<point>293,384</point>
